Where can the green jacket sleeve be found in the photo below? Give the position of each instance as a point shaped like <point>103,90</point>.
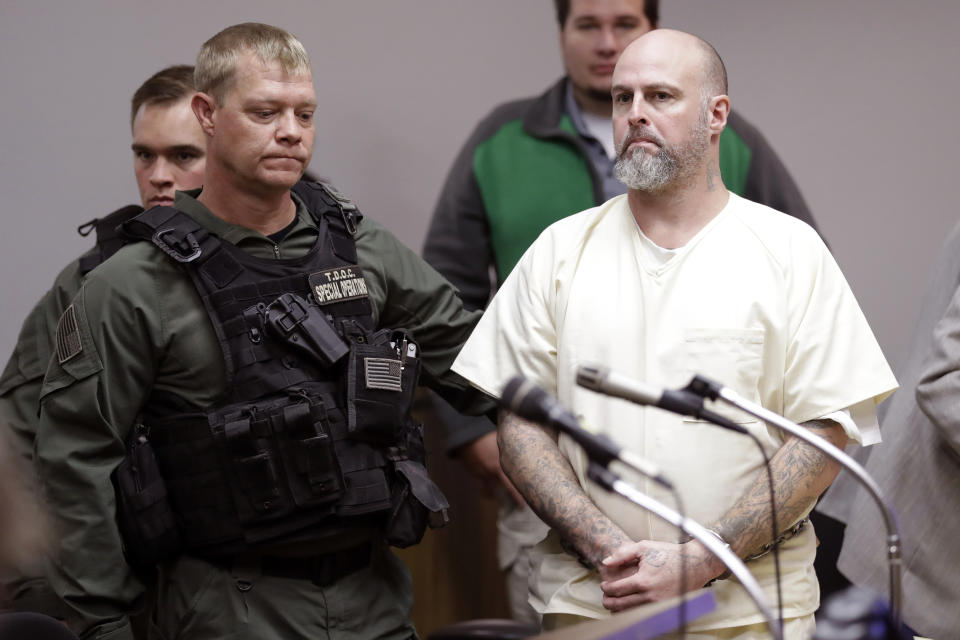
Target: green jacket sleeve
<point>99,376</point>
<point>458,245</point>
<point>767,180</point>
<point>23,375</point>
<point>458,241</point>
<point>21,380</point>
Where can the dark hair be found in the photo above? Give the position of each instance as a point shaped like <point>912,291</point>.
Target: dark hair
<point>651,9</point>
<point>167,85</point>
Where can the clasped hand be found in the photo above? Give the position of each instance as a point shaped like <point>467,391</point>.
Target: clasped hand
<point>647,571</point>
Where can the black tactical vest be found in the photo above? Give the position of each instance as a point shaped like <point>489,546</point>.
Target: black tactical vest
<point>312,437</point>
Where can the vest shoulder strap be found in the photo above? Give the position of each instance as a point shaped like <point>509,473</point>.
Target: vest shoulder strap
<point>323,200</point>
<point>109,238</point>
<point>186,242</point>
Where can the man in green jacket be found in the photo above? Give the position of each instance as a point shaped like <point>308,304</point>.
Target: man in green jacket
<point>252,332</point>
<point>168,155</point>
<point>532,162</point>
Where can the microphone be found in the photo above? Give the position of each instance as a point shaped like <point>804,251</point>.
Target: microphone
<point>685,402</point>
<point>532,403</point>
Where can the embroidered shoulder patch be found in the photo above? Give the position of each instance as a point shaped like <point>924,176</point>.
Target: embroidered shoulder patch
<point>69,344</point>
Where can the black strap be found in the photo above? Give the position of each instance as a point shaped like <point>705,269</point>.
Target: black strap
<point>341,214</point>
<point>185,241</point>
<point>175,233</point>
<point>109,238</point>
<point>322,570</point>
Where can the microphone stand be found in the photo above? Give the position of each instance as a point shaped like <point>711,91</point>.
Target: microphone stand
<point>707,388</point>
<point>611,482</point>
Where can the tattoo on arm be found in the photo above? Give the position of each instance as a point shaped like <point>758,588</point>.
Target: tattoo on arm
<point>531,458</point>
<point>800,474</point>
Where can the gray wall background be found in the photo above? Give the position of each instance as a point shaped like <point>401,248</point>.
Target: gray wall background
<point>854,96</point>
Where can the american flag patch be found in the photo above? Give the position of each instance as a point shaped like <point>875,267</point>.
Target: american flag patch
<point>383,373</point>
<point>68,335</point>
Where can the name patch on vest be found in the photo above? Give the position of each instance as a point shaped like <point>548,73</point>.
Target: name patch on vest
<point>338,285</point>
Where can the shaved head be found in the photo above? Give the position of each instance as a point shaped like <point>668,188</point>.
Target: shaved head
<point>695,51</point>
<point>714,71</point>
<point>669,109</point>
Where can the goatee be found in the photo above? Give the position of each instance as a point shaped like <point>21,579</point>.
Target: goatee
<point>655,172</point>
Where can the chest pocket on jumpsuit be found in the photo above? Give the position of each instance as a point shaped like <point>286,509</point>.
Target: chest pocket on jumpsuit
<point>732,357</point>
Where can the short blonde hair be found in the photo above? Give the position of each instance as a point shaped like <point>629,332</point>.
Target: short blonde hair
<point>217,60</point>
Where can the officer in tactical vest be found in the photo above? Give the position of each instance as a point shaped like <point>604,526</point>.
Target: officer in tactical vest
<point>227,404</point>
<point>168,155</point>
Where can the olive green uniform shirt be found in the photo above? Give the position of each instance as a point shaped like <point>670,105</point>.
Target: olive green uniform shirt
<point>23,375</point>
<point>24,587</point>
<point>142,328</point>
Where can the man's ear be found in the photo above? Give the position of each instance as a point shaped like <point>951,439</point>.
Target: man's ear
<point>204,106</point>
<point>719,110</point>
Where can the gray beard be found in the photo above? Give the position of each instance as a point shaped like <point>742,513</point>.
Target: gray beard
<point>654,173</point>
<point>641,171</point>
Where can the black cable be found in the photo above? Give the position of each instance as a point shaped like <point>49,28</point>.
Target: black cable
<point>775,548</point>
<point>599,473</point>
<point>682,614</point>
<point>726,423</point>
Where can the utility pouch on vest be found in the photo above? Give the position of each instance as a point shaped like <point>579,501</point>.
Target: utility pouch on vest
<point>279,456</point>
<point>304,327</point>
<point>306,446</point>
<point>415,500</point>
<point>144,516</point>
<point>381,380</point>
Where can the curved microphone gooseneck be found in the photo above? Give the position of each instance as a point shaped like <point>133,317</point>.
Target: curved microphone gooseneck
<point>533,403</point>
<point>686,403</point>
<point>707,388</point>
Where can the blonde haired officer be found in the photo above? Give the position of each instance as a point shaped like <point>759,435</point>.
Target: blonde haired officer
<point>282,469</point>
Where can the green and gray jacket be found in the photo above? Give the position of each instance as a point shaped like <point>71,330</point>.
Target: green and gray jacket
<point>525,167</point>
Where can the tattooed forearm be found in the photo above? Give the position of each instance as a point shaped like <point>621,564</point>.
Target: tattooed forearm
<point>530,457</point>
<point>800,474</point>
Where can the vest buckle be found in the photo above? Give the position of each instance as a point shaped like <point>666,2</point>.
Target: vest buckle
<point>183,250</point>
<point>349,219</point>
